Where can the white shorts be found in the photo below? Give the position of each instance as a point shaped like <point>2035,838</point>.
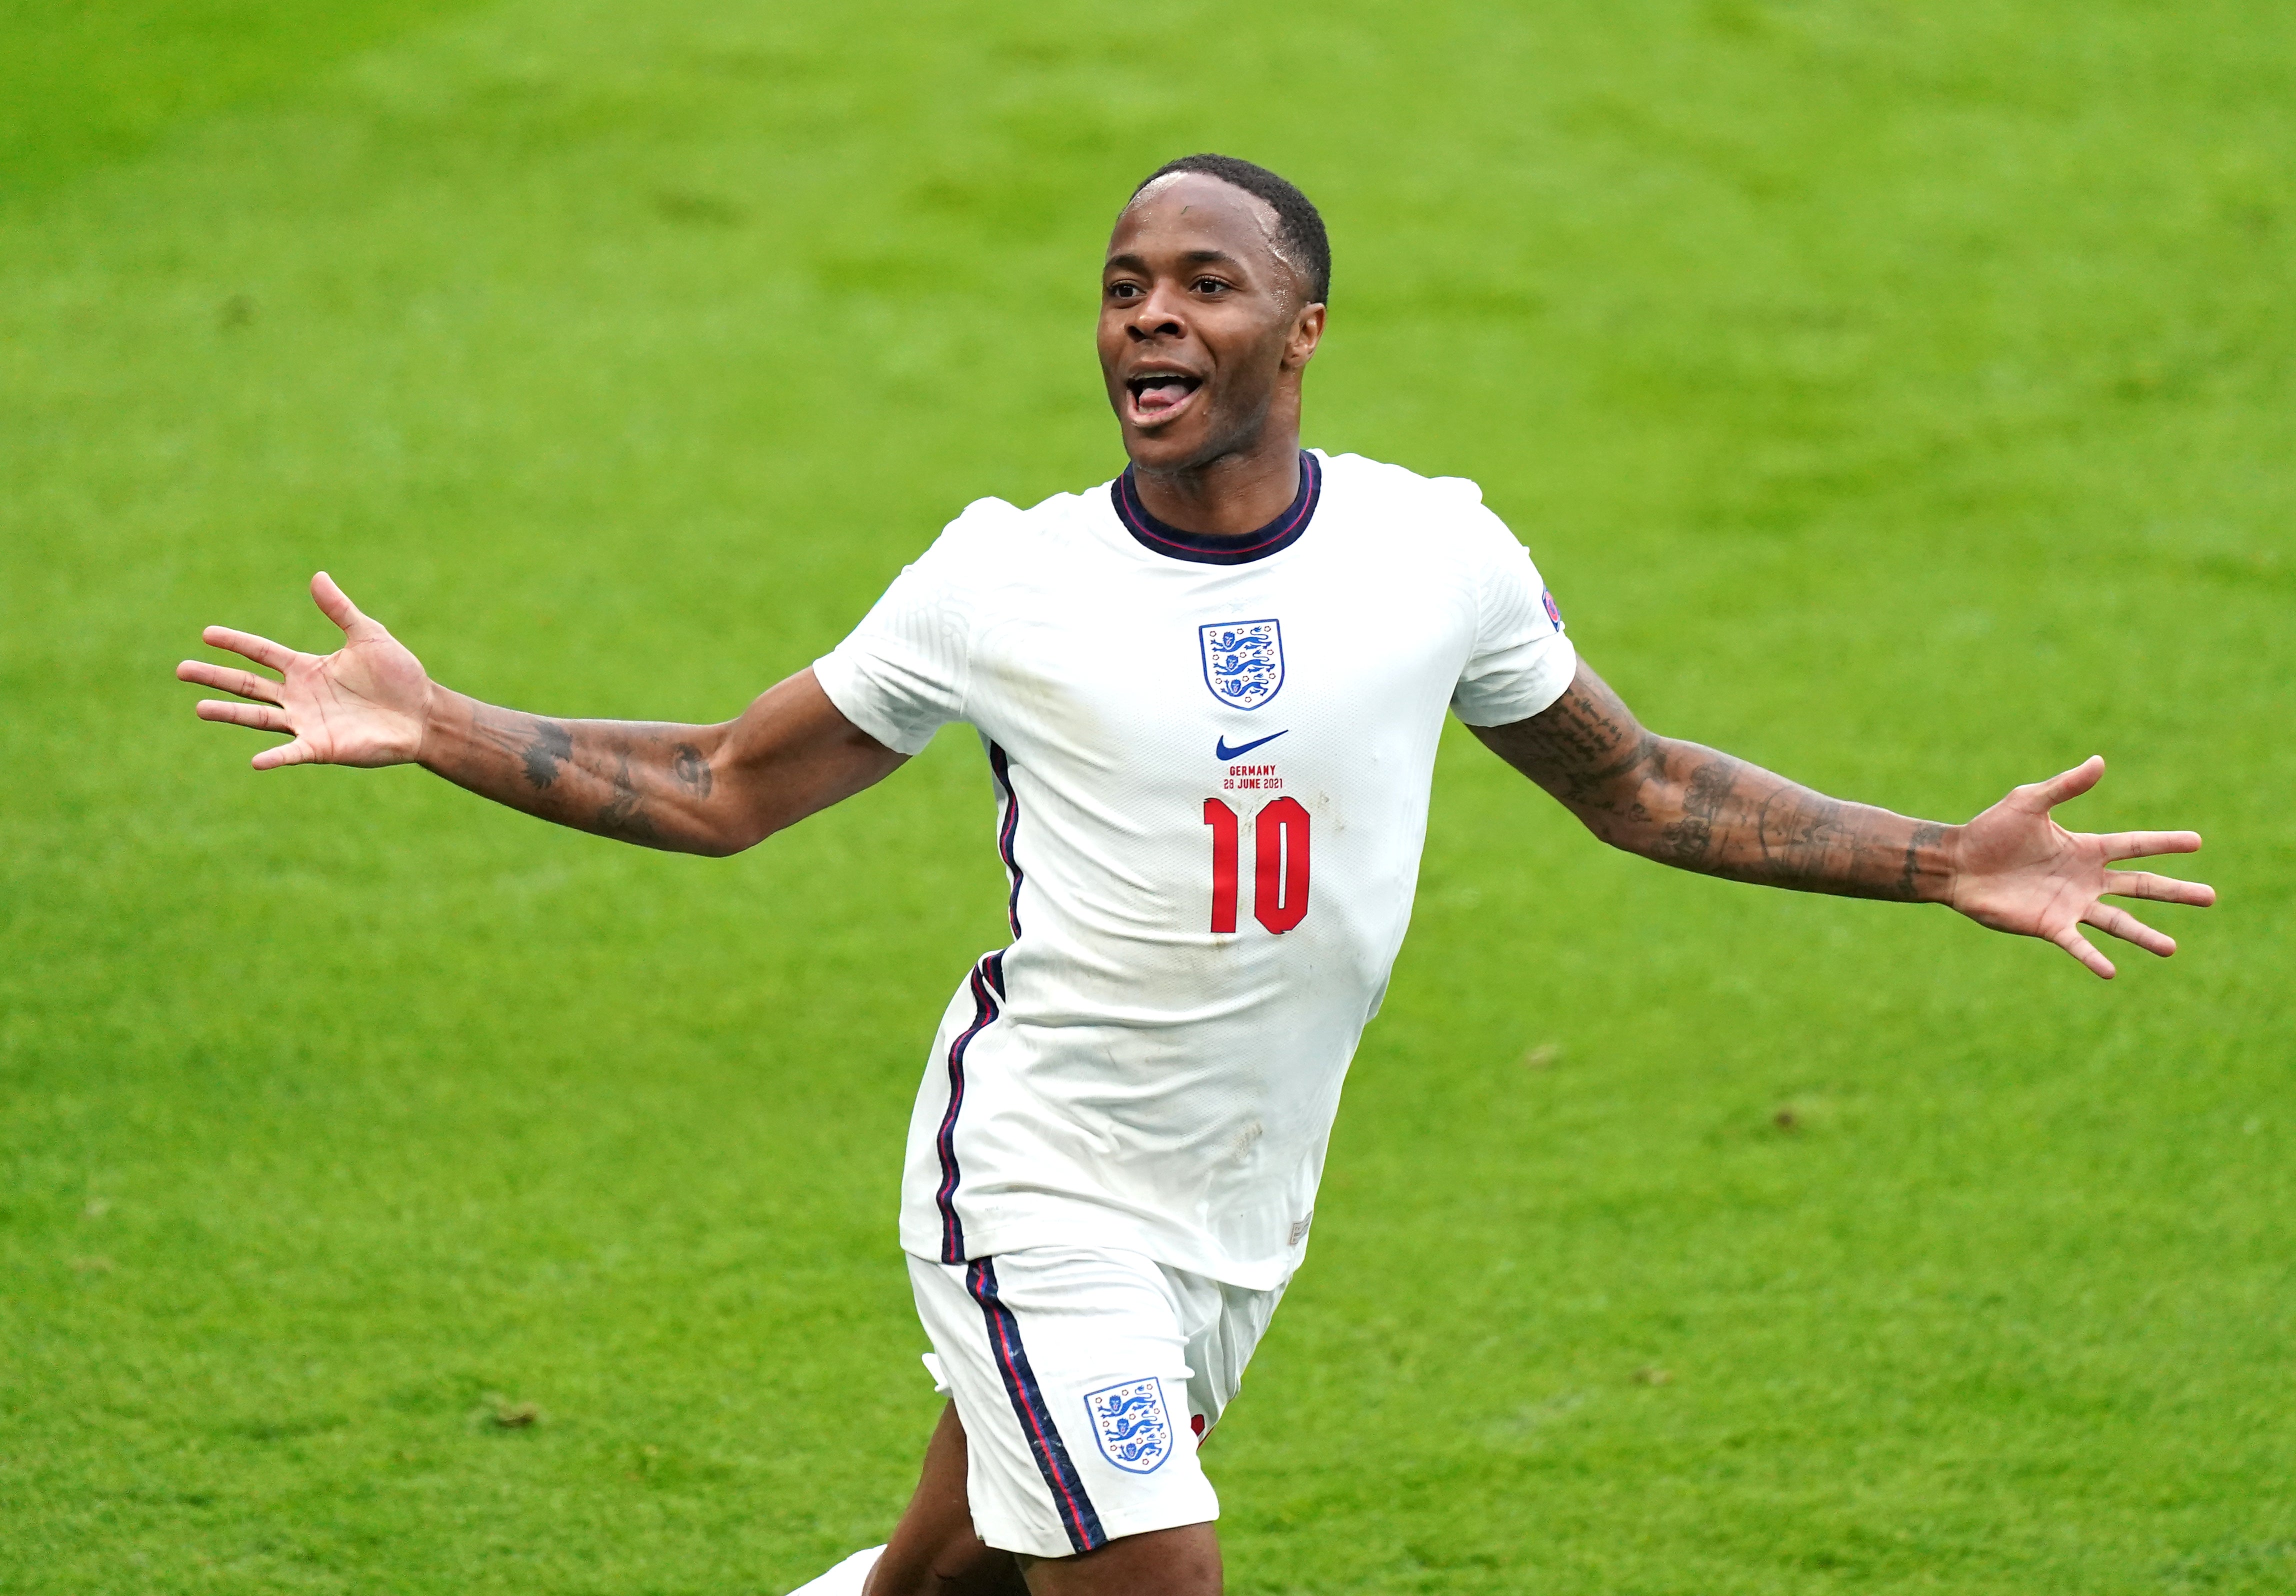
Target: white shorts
<point>1084,1378</point>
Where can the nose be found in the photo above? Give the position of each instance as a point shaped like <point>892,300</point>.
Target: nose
<point>1156,315</point>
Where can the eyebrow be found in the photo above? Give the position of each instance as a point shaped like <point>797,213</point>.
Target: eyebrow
<point>1132,262</point>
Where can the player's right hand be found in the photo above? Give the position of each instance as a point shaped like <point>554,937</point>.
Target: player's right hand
<point>366,703</point>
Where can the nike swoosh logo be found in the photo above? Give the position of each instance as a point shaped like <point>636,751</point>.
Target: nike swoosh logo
<point>1221,747</point>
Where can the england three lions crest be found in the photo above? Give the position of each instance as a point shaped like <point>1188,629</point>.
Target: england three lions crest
<point>1131,1425</point>
<point>1244,661</point>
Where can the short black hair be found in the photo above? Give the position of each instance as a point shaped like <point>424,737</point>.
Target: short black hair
<point>1296,216</point>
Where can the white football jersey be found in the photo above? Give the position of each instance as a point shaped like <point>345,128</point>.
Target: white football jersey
<point>1212,759</point>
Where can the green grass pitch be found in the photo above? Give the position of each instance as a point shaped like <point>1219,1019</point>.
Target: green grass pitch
<point>1900,395</point>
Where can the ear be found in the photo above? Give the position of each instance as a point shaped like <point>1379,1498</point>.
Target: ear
<point>1307,333</point>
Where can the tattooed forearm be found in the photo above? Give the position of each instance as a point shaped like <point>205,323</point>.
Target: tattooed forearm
<point>551,746</point>
<point>1794,822</point>
<point>1925,840</point>
<point>1699,810</point>
<point>1804,838</point>
<point>542,746</point>
<point>1705,800</point>
<point>639,783</point>
<point>694,788</point>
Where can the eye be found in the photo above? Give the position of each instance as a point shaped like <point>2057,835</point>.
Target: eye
<point>1123,290</point>
<point>1209,285</point>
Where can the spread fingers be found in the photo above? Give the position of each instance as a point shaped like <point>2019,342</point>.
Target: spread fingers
<point>2161,890</point>
<point>261,717</point>
<point>2147,845</point>
<point>2122,923</point>
<point>261,650</point>
<point>2047,795</point>
<point>229,678</point>
<point>2077,945</point>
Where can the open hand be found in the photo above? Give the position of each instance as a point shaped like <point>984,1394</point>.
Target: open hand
<point>2017,869</point>
<point>364,704</point>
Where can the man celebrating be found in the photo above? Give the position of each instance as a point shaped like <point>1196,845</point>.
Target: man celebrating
<point>1210,693</point>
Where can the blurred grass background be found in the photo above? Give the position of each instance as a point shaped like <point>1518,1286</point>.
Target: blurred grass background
<point>1900,396</point>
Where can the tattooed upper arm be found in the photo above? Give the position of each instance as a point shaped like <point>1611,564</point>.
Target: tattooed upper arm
<point>1581,748</point>
<point>1630,787</point>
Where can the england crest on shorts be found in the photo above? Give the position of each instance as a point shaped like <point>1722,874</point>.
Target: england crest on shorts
<point>1130,1423</point>
<point>1244,661</point>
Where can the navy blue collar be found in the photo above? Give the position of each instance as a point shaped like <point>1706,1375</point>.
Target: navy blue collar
<point>1210,548</point>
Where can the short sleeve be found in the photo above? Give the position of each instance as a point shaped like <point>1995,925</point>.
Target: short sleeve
<point>1522,661</point>
<point>902,674</point>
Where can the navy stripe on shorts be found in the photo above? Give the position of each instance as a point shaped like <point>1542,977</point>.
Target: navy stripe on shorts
<point>1077,1514</point>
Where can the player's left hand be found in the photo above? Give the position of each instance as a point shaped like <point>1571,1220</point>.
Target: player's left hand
<point>2016,870</point>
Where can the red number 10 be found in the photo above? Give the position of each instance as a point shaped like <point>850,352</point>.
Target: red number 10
<point>1279,837</point>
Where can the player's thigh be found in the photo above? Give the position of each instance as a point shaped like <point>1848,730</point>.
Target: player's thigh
<point>933,1551</point>
<point>1182,1561</point>
<point>1069,1368</point>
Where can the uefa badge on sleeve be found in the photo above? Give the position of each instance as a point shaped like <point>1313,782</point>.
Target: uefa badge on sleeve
<point>1244,661</point>
<point>1129,1423</point>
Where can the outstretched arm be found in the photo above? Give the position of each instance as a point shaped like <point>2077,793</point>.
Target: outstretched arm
<point>2012,868</point>
<point>692,788</point>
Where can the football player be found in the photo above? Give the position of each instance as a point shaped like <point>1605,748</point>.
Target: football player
<point>1209,694</point>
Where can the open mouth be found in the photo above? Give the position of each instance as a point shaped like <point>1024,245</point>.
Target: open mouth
<point>1159,396</point>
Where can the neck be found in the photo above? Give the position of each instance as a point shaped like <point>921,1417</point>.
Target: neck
<point>1236,493</point>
